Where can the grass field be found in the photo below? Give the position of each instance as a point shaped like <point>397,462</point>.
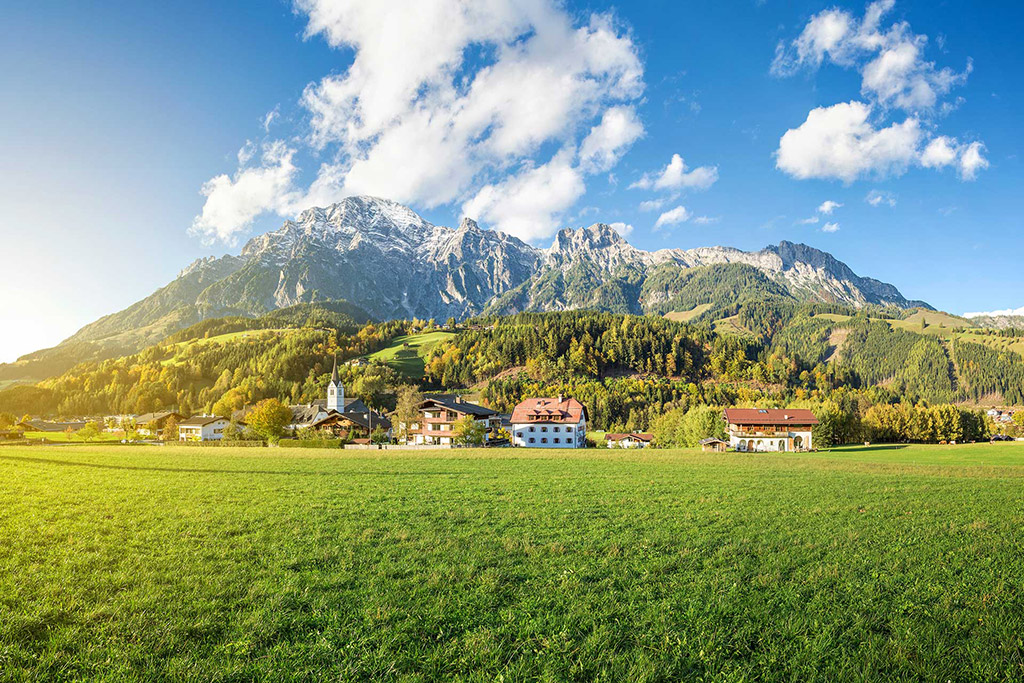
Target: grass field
<point>405,354</point>
<point>687,316</point>
<point>180,563</point>
<point>62,437</point>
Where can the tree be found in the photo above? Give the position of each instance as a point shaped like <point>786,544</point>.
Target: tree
<point>90,431</point>
<point>407,409</point>
<point>468,432</point>
<point>702,422</point>
<point>7,420</point>
<point>1018,418</point>
<point>379,435</point>
<point>268,418</point>
<point>170,429</point>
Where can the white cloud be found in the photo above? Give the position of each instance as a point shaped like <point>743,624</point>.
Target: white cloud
<point>1006,311</point>
<point>830,227</point>
<point>672,217</point>
<point>652,204</point>
<point>808,221</point>
<point>530,203</point>
<point>707,220</point>
<point>619,128</point>
<point>268,120</point>
<point>839,142</point>
<point>895,75</point>
<point>675,176</point>
<point>971,161</point>
<point>828,206</point>
<point>880,197</point>
<point>622,228</point>
<point>443,100</point>
<point>232,203</point>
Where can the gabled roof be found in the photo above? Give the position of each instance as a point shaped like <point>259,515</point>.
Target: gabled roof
<point>770,416</point>
<point>44,426</point>
<point>160,416</point>
<point>360,419</point>
<point>200,420</point>
<point>454,403</point>
<point>539,410</point>
<point>639,436</point>
<point>708,442</point>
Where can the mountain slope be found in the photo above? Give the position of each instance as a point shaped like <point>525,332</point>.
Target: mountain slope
<point>384,258</point>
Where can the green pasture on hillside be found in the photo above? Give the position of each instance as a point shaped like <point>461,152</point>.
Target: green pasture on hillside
<point>405,354</point>
<point>183,563</point>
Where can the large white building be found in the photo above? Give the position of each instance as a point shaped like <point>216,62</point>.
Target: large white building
<point>550,423</point>
<point>202,428</point>
<point>769,429</point>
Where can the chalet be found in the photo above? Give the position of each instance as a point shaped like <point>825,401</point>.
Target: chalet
<point>202,428</point>
<point>152,424</point>
<point>760,429</point>
<point>713,445</point>
<point>550,423</point>
<point>438,414</point>
<point>356,426</point>
<point>631,440</point>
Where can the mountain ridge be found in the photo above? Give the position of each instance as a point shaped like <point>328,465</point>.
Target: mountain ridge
<point>386,259</point>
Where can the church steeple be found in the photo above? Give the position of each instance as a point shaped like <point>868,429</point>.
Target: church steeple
<point>335,391</point>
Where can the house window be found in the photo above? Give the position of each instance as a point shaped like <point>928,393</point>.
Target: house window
<point>532,439</point>
<point>543,440</point>
<point>532,429</point>
<point>543,429</point>
<point>556,440</point>
<point>568,430</point>
<point>555,430</point>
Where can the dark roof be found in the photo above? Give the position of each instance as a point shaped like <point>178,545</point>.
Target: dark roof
<point>455,403</point>
<point>304,414</point>
<point>707,442</point>
<point>199,420</point>
<point>360,419</point>
<point>43,426</point>
<point>770,416</point>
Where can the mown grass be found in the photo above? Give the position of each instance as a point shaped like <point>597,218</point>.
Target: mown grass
<point>406,354</point>
<point>62,437</point>
<point>216,564</point>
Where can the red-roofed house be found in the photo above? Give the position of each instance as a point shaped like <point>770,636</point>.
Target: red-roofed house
<point>550,423</point>
<point>769,429</point>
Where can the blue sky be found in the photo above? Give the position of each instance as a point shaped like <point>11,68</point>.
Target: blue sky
<point>136,135</point>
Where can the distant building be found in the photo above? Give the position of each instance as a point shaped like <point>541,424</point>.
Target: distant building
<point>631,440</point>
<point>761,429</point>
<point>355,426</point>
<point>713,445</point>
<point>202,428</point>
<point>152,424</point>
<point>550,423</point>
<point>52,427</point>
<point>438,414</point>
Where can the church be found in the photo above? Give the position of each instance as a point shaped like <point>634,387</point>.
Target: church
<point>345,417</point>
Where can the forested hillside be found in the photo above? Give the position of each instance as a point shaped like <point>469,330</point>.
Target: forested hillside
<point>629,370</point>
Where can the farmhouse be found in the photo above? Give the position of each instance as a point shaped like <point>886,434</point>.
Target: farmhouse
<point>354,425</point>
<point>760,429</point>
<point>550,423</point>
<point>202,428</point>
<point>631,440</point>
<point>438,415</point>
<point>152,424</point>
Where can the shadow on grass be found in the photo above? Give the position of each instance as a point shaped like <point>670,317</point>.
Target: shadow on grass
<point>200,470</point>
<point>871,449</point>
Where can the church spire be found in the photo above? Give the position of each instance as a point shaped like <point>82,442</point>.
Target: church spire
<point>334,373</point>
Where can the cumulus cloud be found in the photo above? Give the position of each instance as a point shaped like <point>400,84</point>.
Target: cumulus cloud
<point>622,228</point>
<point>1005,311</point>
<point>828,206</point>
<point>840,142</point>
<point>233,202</point>
<point>451,102</point>
<point>895,75</point>
<point>880,197</point>
<point>527,204</point>
<point>830,227</point>
<point>675,176</point>
<point>672,217</point>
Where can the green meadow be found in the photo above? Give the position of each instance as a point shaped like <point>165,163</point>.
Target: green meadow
<point>178,563</point>
<point>405,354</point>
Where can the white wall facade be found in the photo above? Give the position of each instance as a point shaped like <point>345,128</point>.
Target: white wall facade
<point>214,431</point>
<point>778,442</point>
<point>550,435</point>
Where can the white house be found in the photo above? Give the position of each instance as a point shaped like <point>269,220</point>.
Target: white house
<point>202,428</point>
<point>550,423</point>
<point>769,429</point>
<point>631,440</point>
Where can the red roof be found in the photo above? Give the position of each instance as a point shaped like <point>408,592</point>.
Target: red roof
<point>769,416</point>
<point>541,410</point>
<point>639,436</point>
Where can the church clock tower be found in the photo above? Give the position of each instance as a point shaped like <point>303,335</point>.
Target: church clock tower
<point>335,392</point>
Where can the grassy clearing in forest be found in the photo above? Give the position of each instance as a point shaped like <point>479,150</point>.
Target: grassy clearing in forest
<point>179,563</point>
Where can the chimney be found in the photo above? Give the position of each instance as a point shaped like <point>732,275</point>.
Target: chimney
<point>560,399</point>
